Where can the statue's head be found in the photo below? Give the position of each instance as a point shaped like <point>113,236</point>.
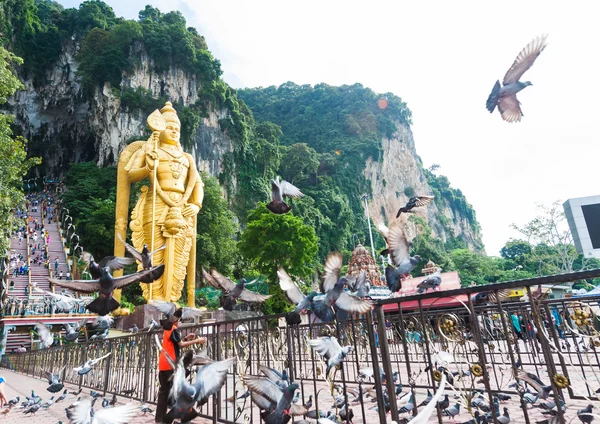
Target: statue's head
<point>171,134</point>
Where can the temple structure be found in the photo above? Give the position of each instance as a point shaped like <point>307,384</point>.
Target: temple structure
<point>361,260</point>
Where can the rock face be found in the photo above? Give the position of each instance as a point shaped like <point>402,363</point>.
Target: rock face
<point>63,125</point>
<point>396,176</point>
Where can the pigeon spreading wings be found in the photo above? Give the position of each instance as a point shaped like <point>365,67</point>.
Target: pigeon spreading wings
<point>82,413</point>
<point>279,190</point>
<point>169,310</point>
<point>92,286</point>
<point>271,391</point>
<point>414,202</point>
<point>505,95</point>
<point>291,290</point>
<point>210,378</point>
<point>399,246</point>
<point>113,262</point>
<point>63,302</point>
<point>328,347</point>
<point>145,256</point>
<point>45,335</point>
<point>333,287</point>
<point>332,267</point>
<point>229,286</point>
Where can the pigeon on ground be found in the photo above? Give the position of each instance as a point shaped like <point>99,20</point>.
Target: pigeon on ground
<point>432,281</point>
<point>279,190</point>
<point>113,400</point>
<point>113,262</point>
<point>83,413</point>
<point>427,399</point>
<point>503,397</point>
<point>533,380</point>
<point>32,409</point>
<point>54,381</point>
<point>333,287</point>
<point>94,394</point>
<point>72,330</point>
<point>281,405</point>
<point>585,414</point>
<point>106,284</point>
<point>87,367</point>
<point>505,95</point>
<point>45,335</point>
<point>414,202</point>
<point>48,403</point>
<point>443,404</point>
<point>408,406</point>
<point>144,257</point>
<point>330,349</point>
<point>14,401</point>
<point>231,290</point>
<point>75,393</point>
<point>452,411</point>
<point>399,250</point>
<point>145,409</point>
<point>61,397</point>
<point>504,418</point>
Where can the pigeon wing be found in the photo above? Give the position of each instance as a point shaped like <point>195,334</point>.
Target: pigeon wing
<point>210,280</point>
<point>116,415</point>
<point>167,308</point>
<point>115,262</point>
<point>84,286</point>
<point>42,331</point>
<point>264,387</point>
<point>326,346</point>
<point>510,108</point>
<point>351,303</point>
<point>270,373</point>
<point>132,250</point>
<point>525,59</point>
<point>224,282</point>
<point>297,410</point>
<point>399,245</point>
<point>80,414</point>
<point>49,377</point>
<point>333,265</point>
<point>291,290</point>
<point>210,378</point>
<point>153,273</point>
<point>253,297</point>
<point>189,313</point>
<point>423,200</point>
<point>261,401</point>
<point>290,190</point>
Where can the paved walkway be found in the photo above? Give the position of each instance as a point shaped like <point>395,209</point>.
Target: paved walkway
<point>21,385</point>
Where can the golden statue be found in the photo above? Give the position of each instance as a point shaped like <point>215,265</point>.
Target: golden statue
<point>165,213</point>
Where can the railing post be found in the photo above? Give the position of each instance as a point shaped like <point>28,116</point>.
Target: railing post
<point>376,375</point>
<point>146,383</point>
<point>386,361</point>
<point>108,363</point>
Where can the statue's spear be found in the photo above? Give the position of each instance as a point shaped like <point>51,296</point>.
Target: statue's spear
<point>157,124</point>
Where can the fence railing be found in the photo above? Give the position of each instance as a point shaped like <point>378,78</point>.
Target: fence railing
<point>486,348</point>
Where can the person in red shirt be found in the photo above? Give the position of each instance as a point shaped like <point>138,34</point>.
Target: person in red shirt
<point>172,344</point>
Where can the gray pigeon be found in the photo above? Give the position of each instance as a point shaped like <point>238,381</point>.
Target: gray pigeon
<point>134,329</point>
<point>361,286</point>
<point>279,190</point>
<point>302,302</point>
<point>72,330</point>
<point>585,414</point>
<point>103,322</point>
<point>505,95</point>
<point>432,281</point>
<point>333,287</point>
<point>427,399</point>
<point>281,406</point>
<point>145,256</point>
<point>233,291</point>
<point>113,262</point>
<point>106,284</point>
<point>408,406</point>
<point>48,403</point>
<point>100,335</point>
<point>87,367</point>
<point>330,349</point>
<point>399,251</point>
<point>414,202</point>
<point>504,418</point>
<point>83,412</point>
<point>452,411</point>
<point>32,409</point>
<point>62,397</point>
<point>174,312</point>
<point>54,381</point>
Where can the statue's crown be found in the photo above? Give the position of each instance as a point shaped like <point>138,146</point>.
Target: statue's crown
<point>169,114</point>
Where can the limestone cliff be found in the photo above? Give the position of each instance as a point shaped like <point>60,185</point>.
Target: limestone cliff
<point>66,125</point>
<point>397,175</point>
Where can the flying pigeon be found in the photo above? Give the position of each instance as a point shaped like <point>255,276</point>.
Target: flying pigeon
<point>399,250</point>
<point>72,330</point>
<point>295,296</point>
<point>83,413</point>
<point>281,405</point>
<point>330,349</point>
<point>62,303</point>
<point>280,378</point>
<point>333,287</point>
<point>144,257</point>
<point>103,322</point>
<point>505,95</point>
<point>174,312</point>
<point>232,290</point>
<point>361,286</point>
<point>113,262</point>
<point>414,202</point>
<point>106,284</point>
<point>279,190</point>
<point>54,381</point>
<point>45,335</point>
<point>432,281</point>
<point>87,367</point>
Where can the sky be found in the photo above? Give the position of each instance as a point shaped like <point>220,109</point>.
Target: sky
<point>442,58</point>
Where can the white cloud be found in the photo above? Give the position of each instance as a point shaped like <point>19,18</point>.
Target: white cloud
<point>442,58</point>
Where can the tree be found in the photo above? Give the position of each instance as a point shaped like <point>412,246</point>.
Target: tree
<point>215,243</point>
<point>14,164</point>
<point>299,162</point>
<point>516,250</point>
<point>272,241</point>
<point>551,237</point>
<point>428,247</point>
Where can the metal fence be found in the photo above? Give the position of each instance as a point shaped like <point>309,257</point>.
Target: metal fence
<point>472,337</point>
